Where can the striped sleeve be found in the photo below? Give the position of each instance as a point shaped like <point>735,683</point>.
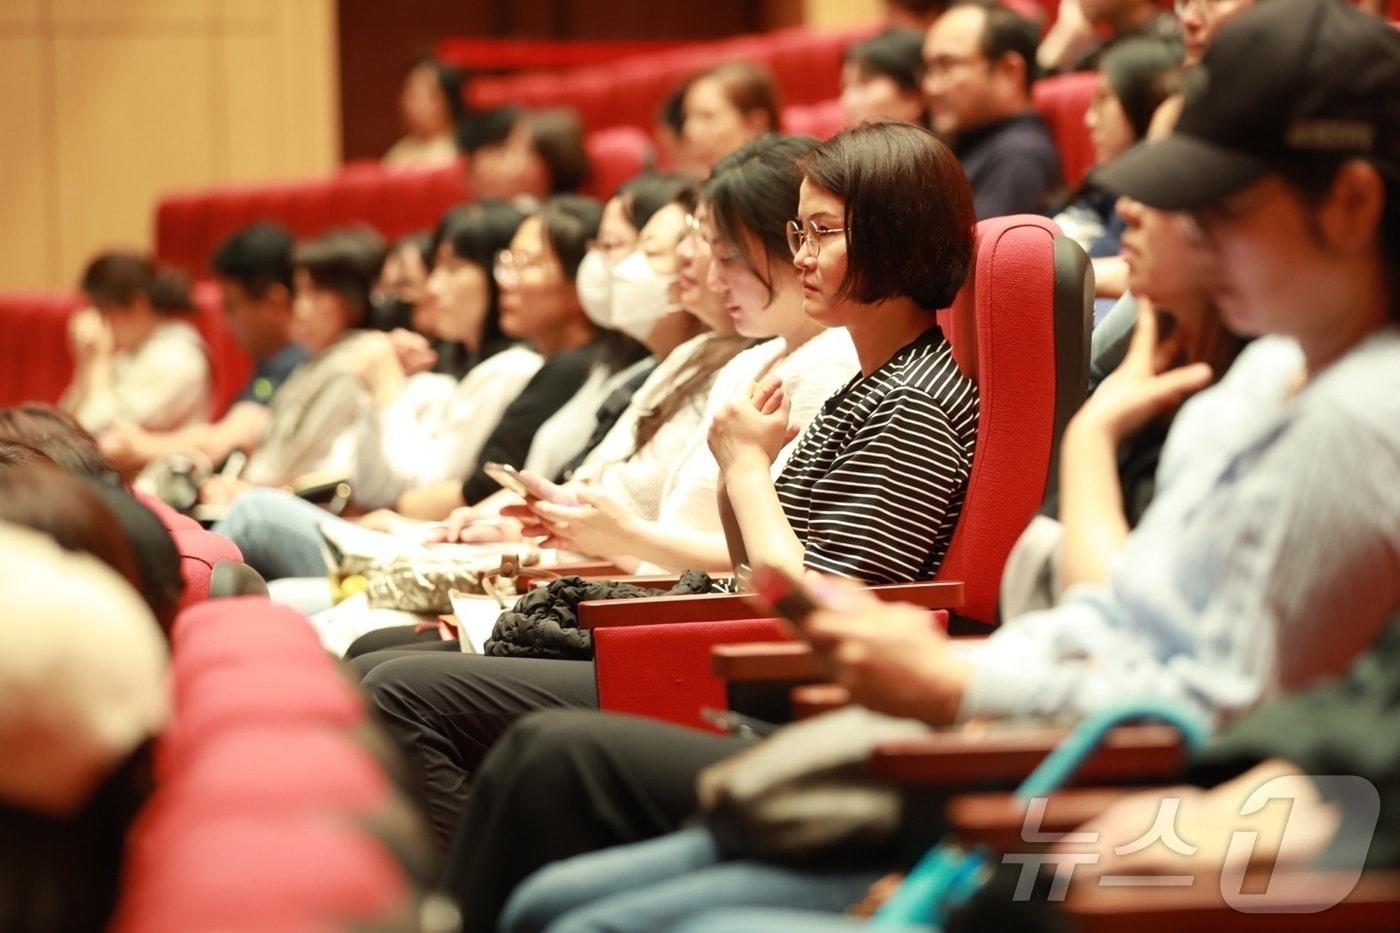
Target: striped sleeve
<point>883,513</point>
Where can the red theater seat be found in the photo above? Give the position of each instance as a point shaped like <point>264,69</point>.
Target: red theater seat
<point>822,121</point>
<point>1062,102</point>
<point>1020,327</point>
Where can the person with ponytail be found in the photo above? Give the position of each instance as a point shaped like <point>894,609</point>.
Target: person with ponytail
<point>137,358</point>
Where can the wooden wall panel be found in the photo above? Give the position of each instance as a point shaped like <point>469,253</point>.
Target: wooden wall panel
<point>27,232</point>
<point>110,105</point>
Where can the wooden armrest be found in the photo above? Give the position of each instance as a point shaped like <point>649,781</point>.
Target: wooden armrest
<point>765,661</point>
<point>967,758</point>
<point>715,607</point>
<point>998,821</point>
<point>1370,907</point>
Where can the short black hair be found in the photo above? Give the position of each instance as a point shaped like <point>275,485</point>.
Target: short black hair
<point>119,277</point>
<point>909,219</point>
<point>257,258</point>
<point>476,233</point>
<point>671,113</point>
<point>487,128</point>
<point>1006,32</point>
<point>346,261</point>
<point>647,193</point>
<point>897,53</point>
<point>754,188</point>
<point>452,81</point>
<point>557,137</point>
<point>570,222</point>
<point>59,436</point>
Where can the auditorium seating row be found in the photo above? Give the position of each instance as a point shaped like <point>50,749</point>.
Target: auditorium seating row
<point>274,807</point>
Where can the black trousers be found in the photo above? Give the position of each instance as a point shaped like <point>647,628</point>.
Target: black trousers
<point>446,709</point>
<point>564,783</point>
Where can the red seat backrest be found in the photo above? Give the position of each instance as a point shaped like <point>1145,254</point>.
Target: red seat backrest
<point>1021,329</point>
<point>616,155</point>
<point>822,121</point>
<point>1062,102</point>
<point>191,225</point>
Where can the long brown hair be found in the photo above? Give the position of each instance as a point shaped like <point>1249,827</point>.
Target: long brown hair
<point>691,385</point>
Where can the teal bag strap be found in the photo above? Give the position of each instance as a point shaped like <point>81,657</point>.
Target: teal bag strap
<point>949,873</point>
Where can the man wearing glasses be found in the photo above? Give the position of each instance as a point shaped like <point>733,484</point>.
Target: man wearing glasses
<point>978,62</point>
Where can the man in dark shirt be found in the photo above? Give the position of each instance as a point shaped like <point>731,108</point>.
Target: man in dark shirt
<point>978,63</point>
<point>254,268</point>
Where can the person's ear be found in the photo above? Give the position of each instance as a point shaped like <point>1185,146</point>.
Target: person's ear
<point>1010,71</point>
<point>1350,216</point>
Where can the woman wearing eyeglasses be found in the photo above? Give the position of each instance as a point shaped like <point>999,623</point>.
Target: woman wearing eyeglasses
<point>875,486</point>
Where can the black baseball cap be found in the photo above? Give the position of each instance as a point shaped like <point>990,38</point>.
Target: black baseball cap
<point>1288,80</point>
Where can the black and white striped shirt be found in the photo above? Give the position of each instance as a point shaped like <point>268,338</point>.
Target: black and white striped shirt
<point>876,483</point>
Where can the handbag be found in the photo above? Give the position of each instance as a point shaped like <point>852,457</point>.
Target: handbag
<point>804,792</point>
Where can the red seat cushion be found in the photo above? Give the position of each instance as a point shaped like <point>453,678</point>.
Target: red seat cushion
<point>1062,102</point>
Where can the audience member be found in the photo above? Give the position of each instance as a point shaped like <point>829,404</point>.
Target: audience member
<point>727,106</point>
<point>979,62</point>
<point>83,690</point>
<point>254,269</point>
<point>58,436</point>
<point>1084,30</point>
<point>431,107</point>
<point>539,154</point>
<point>1135,77</point>
<point>315,420</point>
<point>881,77</point>
<point>137,358</point>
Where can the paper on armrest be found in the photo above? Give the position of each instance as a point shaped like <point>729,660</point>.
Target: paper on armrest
<point>476,618</point>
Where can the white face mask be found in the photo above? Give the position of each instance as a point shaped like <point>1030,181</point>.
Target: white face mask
<point>640,296</point>
<point>594,284</point>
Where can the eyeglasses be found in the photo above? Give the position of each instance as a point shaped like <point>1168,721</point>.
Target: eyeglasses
<point>1205,8</point>
<point>517,264</point>
<point>808,234</point>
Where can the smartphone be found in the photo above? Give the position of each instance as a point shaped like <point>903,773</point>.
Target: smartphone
<point>508,476</point>
<point>784,594</point>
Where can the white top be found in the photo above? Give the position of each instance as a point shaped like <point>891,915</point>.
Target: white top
<point>811,374</point>
<point>435,430</point>
<point>161,385</point>
<point>635,477</point>
<point>564,433</point>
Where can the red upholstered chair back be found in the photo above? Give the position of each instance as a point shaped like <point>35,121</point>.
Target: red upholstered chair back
<point>822,121</point>
<point>191,225</point>
<point>616,155</point>
<point>1062,102</point>
<point>1020,327</point>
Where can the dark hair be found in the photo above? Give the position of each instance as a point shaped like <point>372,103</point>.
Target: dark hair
<point>257,258</point>
<point>671,113</point>
<point>570,221</point>
<point>345,261</point>
<point>897,53</point>
<point>648,193</point>
<point>119,278</point>
<point>68,510</point>
<point>910,223</point>
<point>15,454</point>
<point>476,233</point>
<point>487,128</point>
<point>1312,176</point>
<point>58,436</point>
<point>1006,32</point>
<point>157,560</point>
<point>451,81</point>
<point>1141,73</point>
<point>557,136</point>
<point>748,86</point>
<point>755,189</point>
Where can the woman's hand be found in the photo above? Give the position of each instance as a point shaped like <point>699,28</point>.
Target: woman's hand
<point>471,525</point>
<point>89,335</point>
<point>753,426</point>
<point>598,525</point>
<point>1141,388</point>
<point>415,354</point>
<point>889,656</point>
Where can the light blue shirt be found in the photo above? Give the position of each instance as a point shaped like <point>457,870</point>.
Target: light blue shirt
<point>1270,555</point>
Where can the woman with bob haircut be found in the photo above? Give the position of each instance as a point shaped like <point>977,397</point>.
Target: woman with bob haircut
<point>873,491</point>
